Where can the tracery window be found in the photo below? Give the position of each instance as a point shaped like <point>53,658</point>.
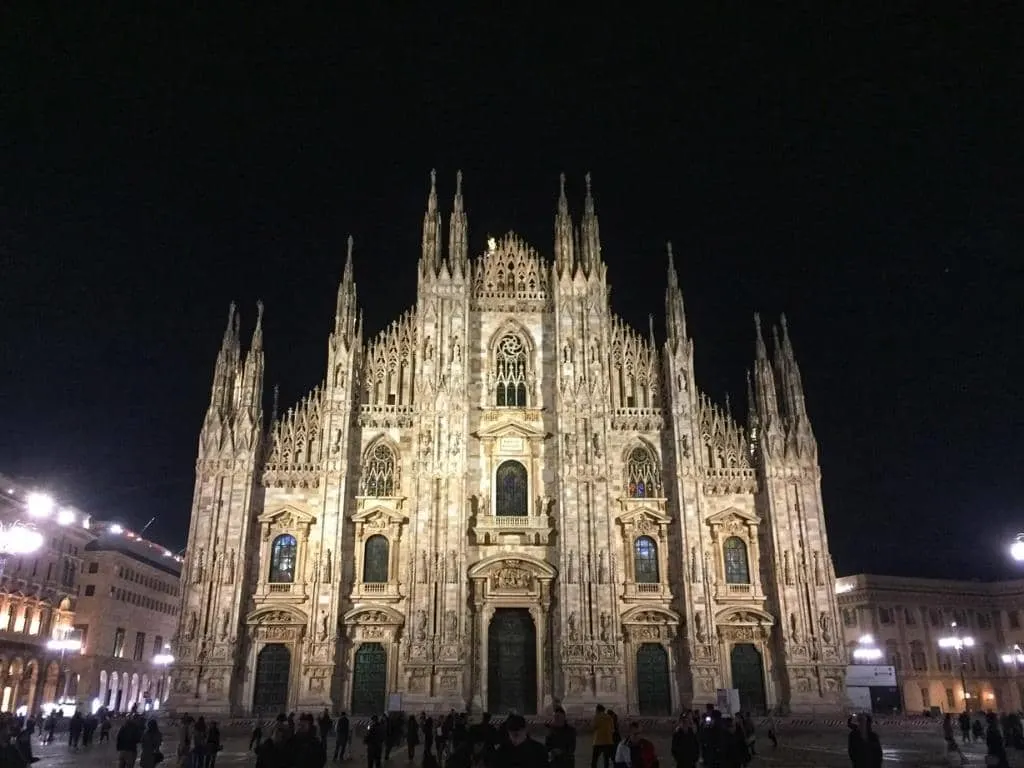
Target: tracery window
<point>645,560</point>
<point>737,570</point>
<point>375,560</point>
<point>642,476</point>
<point>282,559</point>
<point>510,490</point>
<point>510,370</point>
<point>379,471</point>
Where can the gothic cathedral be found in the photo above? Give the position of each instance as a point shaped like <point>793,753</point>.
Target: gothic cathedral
<point>505,499</point>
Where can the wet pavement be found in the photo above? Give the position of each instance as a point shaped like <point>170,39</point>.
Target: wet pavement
<point>824,747</point>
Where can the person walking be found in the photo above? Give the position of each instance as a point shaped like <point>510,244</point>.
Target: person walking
<point>863,745</point>
<point>150,755</point>
<point>603,746</point>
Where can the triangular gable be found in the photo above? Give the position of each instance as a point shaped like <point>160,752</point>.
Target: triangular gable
<point>299,516</point>
<point>511,428</point>
<point>379,511</point>
<point>646,512</point>
<point>740,615</point>
<point>732,513</point>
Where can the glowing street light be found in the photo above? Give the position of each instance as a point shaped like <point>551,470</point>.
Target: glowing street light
<point>1017,548</point>
<point>40,504</point>
<point>164,659</point>
<point>17,539</point>
<point>866,650</point>
<point>1015,657</point>
<point>66,644</point>
<point>958,642</point>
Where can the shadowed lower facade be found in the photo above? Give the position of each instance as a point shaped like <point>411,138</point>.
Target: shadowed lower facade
<point>505,498</point>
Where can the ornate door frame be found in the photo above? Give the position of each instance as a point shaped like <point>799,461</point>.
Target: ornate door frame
<point>510,580</point>
<point>753,626</point>
<point>650,625</point>
<point>371,624</point>
<point>277,624</point>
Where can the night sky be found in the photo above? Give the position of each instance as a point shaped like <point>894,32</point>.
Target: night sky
<point>862,175</point>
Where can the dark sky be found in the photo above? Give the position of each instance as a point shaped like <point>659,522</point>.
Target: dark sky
<point>861,174</point>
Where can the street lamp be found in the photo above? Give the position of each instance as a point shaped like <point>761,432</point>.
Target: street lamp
<point>17,539</point>
<point>866,650</point>
<point>1015,657</point>
<point>958,643</point>
<point>1017,548</point>
<point>64,645</point>
<point>164,659</point>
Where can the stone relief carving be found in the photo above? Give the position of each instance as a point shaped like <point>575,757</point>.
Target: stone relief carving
<point>825,622</point>
<point>197,568</point>
<point>512,576</point>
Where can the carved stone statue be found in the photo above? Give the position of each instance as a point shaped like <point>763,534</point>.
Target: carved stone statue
<point>597,445</point>
<point>197,569</point>
<point>694,565</point>
<point>327,568</point>
<point>451,624</point>
<point>573,630</point>
<point>826,627</point>
<point>794,626</point>
<point>602,569</point>
<point>229,571</point>
<point>421,625</point>
<point>709,570</point>
<point>698,626</point>
<point>787,569</point>
<point>817,570</point>
<point>192,623</point>
<point>605,624</point>
<point>225,624</point>
<point>570,567</point>
<point>325,629</point>
<point>452,570</point>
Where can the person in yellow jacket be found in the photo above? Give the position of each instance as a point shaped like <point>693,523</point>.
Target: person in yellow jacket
<point>604,738</point>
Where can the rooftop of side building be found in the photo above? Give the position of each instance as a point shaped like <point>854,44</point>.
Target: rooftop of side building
<point>879,584</point>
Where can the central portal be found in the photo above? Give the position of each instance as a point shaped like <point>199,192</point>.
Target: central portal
<point>512,662</point>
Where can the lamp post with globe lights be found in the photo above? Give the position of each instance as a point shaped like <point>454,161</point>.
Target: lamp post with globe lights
<point>164,659</point>
<point>65,644</point>
<point>1017,548</point>
<point>958,642</point>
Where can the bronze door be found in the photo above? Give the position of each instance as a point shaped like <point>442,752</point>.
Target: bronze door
<point>653,694</point>
<point>512,663</point>
<point>273,667</point>
<point>370,680</point>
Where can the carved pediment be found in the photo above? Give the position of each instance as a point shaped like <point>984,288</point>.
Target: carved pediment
<point>287,517</point>
<point>650,615</point>
<point>374,614</point>
<point>638,516</point>
<point>381,515</point>
<point>510,427</point>
<point>276,615</point>
<point>734,516</point>
<point>744,616</point>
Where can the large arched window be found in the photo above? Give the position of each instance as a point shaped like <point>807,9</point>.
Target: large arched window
<point>510,371</point>
<point>375,560</point>
<point>282,559</point>
<point>642,476</point>
<point>737,571</point>
<point>510,490</point>
<point>380,471</point>
<point>645,560</point>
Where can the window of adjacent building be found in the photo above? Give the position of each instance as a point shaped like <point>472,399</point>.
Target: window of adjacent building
<point>950,701</point>
<point>282,559</point>
<point>375,560</point>
<point>645,560</point>
<point>737,571</point>
<point>918,658</point>
<point>94,567</point>
<point>158,644</point>
<point>642,474</point>
<point>510,492</point>
<point>510,370</point>
<point>849,617</point>
<point>926,698</point>
<point>379,471</point>
<point>118,643</point>
<point>969,662</point>
<point>893,654</point>
<point>885,615</point>
<point>935,616</point>
<point>90,590</point>
<point>984,620</point>
<point>991,658</point>
<point>1014,619</point>
<point>909,617</point>
<point>140,646</point>
<point>82,631</point>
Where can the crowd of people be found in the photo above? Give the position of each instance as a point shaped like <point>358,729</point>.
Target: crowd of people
<point>454,741</point>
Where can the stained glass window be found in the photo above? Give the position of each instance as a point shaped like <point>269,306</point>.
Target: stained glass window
<point>642,476</point>
<point>736,569</point>
<point>379,472</point>
<point>375,560</point>
<point>510,490</point>
<point>511,372</point>
<point>282,559</point>
<point>645,560</point>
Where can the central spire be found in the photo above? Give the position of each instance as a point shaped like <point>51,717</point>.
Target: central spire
<point>590,234</point>
<point>564,252</point>
<point>430,260</point>
<point>458,248</point>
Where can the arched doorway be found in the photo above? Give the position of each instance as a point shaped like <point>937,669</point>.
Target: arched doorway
<point>652,680</point>
<point>273,668</point>
<point>370,679</point>
<point>748,677</point>
<point>512,662</point>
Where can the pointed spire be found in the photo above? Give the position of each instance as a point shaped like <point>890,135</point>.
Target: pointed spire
<point>764,383</point>
<point>650,328</point>
<point>751,403</point>
<point>787,346</point>
<point>277,399</point>
<point>431,250</point>
<point>257,334</point>
<point>675,311</point>
<point>229,332</point>
<point>762,351</point>
<point>590,256</point>
<point>788,372</point>
<point>458,239</point>
<point>345,307</point>
<point>564,245</point>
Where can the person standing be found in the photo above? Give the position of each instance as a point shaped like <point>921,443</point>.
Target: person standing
<point>412,736</point>
<point>864,746</point>
<point>604,737</point>
<point>685,746</point>
<point>342,732</point>
<point>995,748</point>
<point>561,742</point>
<point>150,746</point>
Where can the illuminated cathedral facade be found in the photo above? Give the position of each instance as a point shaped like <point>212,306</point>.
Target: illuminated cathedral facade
<point>505,499</point>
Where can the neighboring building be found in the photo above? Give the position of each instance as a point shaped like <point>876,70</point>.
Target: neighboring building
<point>37,592</point>
<point>906,617</point>
<point>87,581</point>
<point>126,614</point>
<point>507,497</point>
